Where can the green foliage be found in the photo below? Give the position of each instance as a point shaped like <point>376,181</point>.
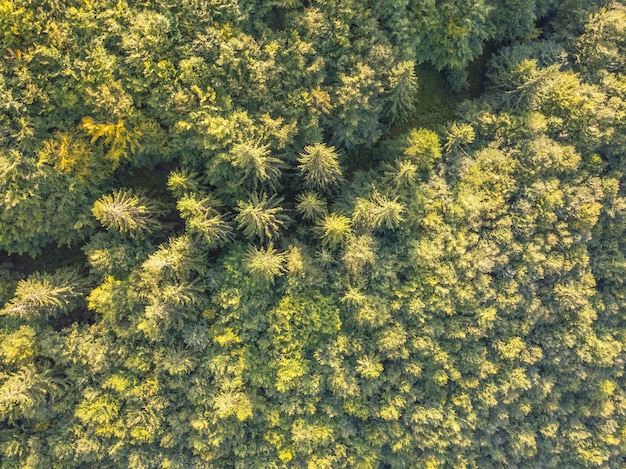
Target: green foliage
<point>256,165</point>
<point>334,229</point>
<point>261,217</point>
<point>320,166</point>
<point>452,296</point>
<point>46,295</point>
<point>378,212</point>
<point>30,194</point>
<point>601,46</point>
<point>358,109</point>
<point>265,263</point>
<point>401,173</point>
<point>203,219</point>
<point>401,93</point>
<point>451,32</point>
<point>310,206</point>
<point>126,212</point>
<point>458,136</point>
<point>183,182</point>
<point>423,148</point>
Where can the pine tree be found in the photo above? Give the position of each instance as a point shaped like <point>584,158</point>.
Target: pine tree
<point>401,174</point>
<point>457,137</point>
<point>126,212</point>
<point>334,230</point>
<point>181,182</point>
<point>256,165</point>
<point>378,212</point>
<point>386,213</point>
<point>46,295</point>
<point>401,93</point>
<point>203,219</point>
<point>261,217</point>
<point>265,263</point>
<point>320,166</point>
<point>310,206</point>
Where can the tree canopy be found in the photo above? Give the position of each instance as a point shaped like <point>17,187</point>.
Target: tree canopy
<point>312,234</point>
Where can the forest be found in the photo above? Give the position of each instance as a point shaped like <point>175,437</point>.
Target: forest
<point>312,234</point>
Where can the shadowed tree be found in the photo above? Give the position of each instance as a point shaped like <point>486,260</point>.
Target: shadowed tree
<point>400,174</point>
<point>310,206</point>
<point>183,181</point>
<point>400,96</point>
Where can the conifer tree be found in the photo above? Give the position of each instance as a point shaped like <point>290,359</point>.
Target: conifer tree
<point>265,262</point>
<point>182,182</point>
<point>320,166</point>
<point>46,295</point>
<point>203,219</point>
<point>126,212</point>
<point>256,165</point>
<point>334,230</point>
<point>261,217</point>
<point>310,206</point>
<point>401,93</point>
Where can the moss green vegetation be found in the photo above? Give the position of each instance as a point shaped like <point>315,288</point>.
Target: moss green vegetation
<point>312,234</point>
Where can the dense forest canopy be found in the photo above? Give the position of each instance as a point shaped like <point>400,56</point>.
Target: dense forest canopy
<point>312,233</point>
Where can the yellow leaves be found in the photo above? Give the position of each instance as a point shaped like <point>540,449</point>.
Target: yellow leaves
<point>105,298</point>
<point>271,49</point>
<point>118,382</point>
<point>278,130</point>
<point>550,430</point>
<point>230,403</point>
<point>19,347</point>
<point>369,367</point>
<point>511,349</point>
<point>440,378</point>
<point>71,153</point>
<point>13,55</point>
<point>119,140</point>
<point>608,387</point>
<point>289,370</point>
<point>320,100</point>
<point>285,455</point>
<point>101,410</point>
<point>68,154</point>
<point>227,337</point>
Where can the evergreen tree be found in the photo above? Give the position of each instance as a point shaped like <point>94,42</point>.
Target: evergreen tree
<point>401,93</point>
<point>46,295</point>
<point>265,263</point>
<point>261,217</point>
<point>320,166</point>
<point>255,164</point>
<point>126,212</point>
<point>334,230</point>
<point>203,219</point>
